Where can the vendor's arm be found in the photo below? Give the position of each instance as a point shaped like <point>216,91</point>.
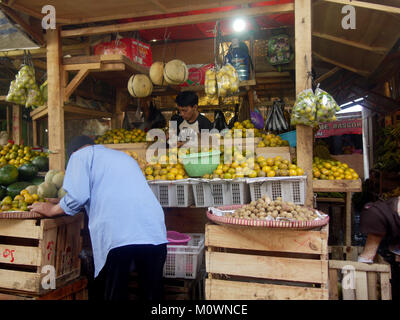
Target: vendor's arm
<point>47,209</point>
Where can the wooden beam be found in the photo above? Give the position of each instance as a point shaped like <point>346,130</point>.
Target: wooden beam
<point>272,74</point>
<point>367,5</point>
<point>378,50</point>
<point>157,3</point>
<point>303,29</point>
<point>16,124</point>
<point>327,74</point>
<point>75,82</point>
<point>364,73</point>
<point>132,12</point>
<point>120,108</point>
<point>178,21</point>
<point>55,100</point>
<point>37,36</point>
<point>42,51</point>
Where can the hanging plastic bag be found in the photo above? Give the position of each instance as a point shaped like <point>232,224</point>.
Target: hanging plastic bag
<point>326,106</point>
<point>227,81</point>
<point>305,109</point>
<point>16,93</point>
<point>219,121</point>
<point>210,83</point>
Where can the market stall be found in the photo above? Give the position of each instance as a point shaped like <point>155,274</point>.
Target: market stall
<point>279,176</point>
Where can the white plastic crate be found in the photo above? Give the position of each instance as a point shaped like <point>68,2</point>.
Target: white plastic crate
<point>290,189</point>
<point>185,261</point>
<point>173,194</point>
<point>220,192</point>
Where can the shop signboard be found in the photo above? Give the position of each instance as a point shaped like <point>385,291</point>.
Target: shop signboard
<point>338,128</point>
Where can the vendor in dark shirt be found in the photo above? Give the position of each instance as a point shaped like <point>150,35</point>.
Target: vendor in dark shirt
<point>190,117</point>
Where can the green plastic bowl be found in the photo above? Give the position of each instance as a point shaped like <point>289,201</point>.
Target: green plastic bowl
<point>199,164</point>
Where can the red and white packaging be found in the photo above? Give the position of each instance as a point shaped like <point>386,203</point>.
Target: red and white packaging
<point>142,55</point>
<point>197,74</point>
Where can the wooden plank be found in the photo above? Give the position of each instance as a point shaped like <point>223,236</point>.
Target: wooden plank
<point>268,152</point>
<point>386,290</point>
<point>372,281</point>
<point>361,285</point>
<point>75,82</point>
<point>327,74</point>
<point>19,280</point>
<point>61,220</point>
<point>178,21</point>
<point>333,284</point>
<point>364,73</point>
<point>367,5</point>
<point>16,124</point>
<point>359,266</point>
<point>48,248</point>
<point>235,290</point>
<point>55,100</point>
<point>67,290</point>
<point>347,239</point>
<point>42,51</point>
<point>266,267</point>
<point>86,111</point>
<point>337,185</point>
<point>80,66</point>
<point>310,242</point>
<point>379,50</point>
<point>22,255</point>
<point>20,229</point>
<point>303,60</point>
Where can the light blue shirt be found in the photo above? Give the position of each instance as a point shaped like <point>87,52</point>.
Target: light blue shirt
<point>121,207</point>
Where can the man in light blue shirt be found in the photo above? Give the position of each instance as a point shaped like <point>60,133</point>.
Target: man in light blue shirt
<point>126,221</point>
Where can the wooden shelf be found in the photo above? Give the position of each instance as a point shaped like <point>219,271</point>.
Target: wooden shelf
<point>171,90</point>
<point>71,112</point>
<point>337,185</point>
<point>114,69</point>
<point>338,200</point>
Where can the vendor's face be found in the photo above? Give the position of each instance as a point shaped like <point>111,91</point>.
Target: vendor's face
<point>188,112</point>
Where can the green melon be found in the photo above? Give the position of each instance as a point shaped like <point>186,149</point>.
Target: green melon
<point>41,162</point>
<point>15,188</point>
<point>8,175</point>
<point>47,190</point>
<point>27,171</point>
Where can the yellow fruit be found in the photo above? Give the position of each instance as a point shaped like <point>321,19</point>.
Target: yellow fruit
<point>170,176</point>
<point>299,171</point>
<point>149,177</point>
<point>271,173</point>
<point>149,171</point>
<point>179,177</point>
<point>266,169</point>
<point>292,172</point>
<point>227,176</point>
<point>252,174</point>
<point>174,171</point>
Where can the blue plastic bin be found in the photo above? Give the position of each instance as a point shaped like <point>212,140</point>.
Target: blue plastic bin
<point>290,137</point>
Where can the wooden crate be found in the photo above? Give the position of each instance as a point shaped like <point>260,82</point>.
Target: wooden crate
<point>245,263</point>
<point>75,290</point>
<point>359,281</point>
<point>27,245</point>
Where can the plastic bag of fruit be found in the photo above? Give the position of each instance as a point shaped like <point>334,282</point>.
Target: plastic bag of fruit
<point>227,81</point>
<point>326,106</point>
<point>16,93</point>
<point>304,110</point>
<point>34,98</point>
<point>210,83</point>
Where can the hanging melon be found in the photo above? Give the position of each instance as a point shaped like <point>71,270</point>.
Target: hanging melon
<point>176,72</point>
<point>157,73</point>
<point>140,86</point>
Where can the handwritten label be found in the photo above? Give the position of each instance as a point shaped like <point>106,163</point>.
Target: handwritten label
<point>9,254</point>
<point>50,245</point>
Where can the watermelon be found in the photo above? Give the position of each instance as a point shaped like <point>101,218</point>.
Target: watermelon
<point>3,192</point>
<point>27,171</point>
<point>15,188</point>
<point>37,180</point>
<point>41,162</point>
<point>8,175</point>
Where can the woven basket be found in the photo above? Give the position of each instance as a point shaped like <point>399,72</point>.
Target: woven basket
<point>295,225</point>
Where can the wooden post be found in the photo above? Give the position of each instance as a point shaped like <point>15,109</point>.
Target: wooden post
<point>34,133</point>
<point>302,10</point>
<point>8,111</point>
<point>55,100</point>
<point>16,124</point>
<point>120,107</point>
<point>348,220</point>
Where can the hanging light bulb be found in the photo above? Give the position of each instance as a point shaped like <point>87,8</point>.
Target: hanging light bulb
<point>239,25</point>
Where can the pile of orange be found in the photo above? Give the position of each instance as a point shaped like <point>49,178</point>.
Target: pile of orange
<point>332,170</point>
<point>116,136</point>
